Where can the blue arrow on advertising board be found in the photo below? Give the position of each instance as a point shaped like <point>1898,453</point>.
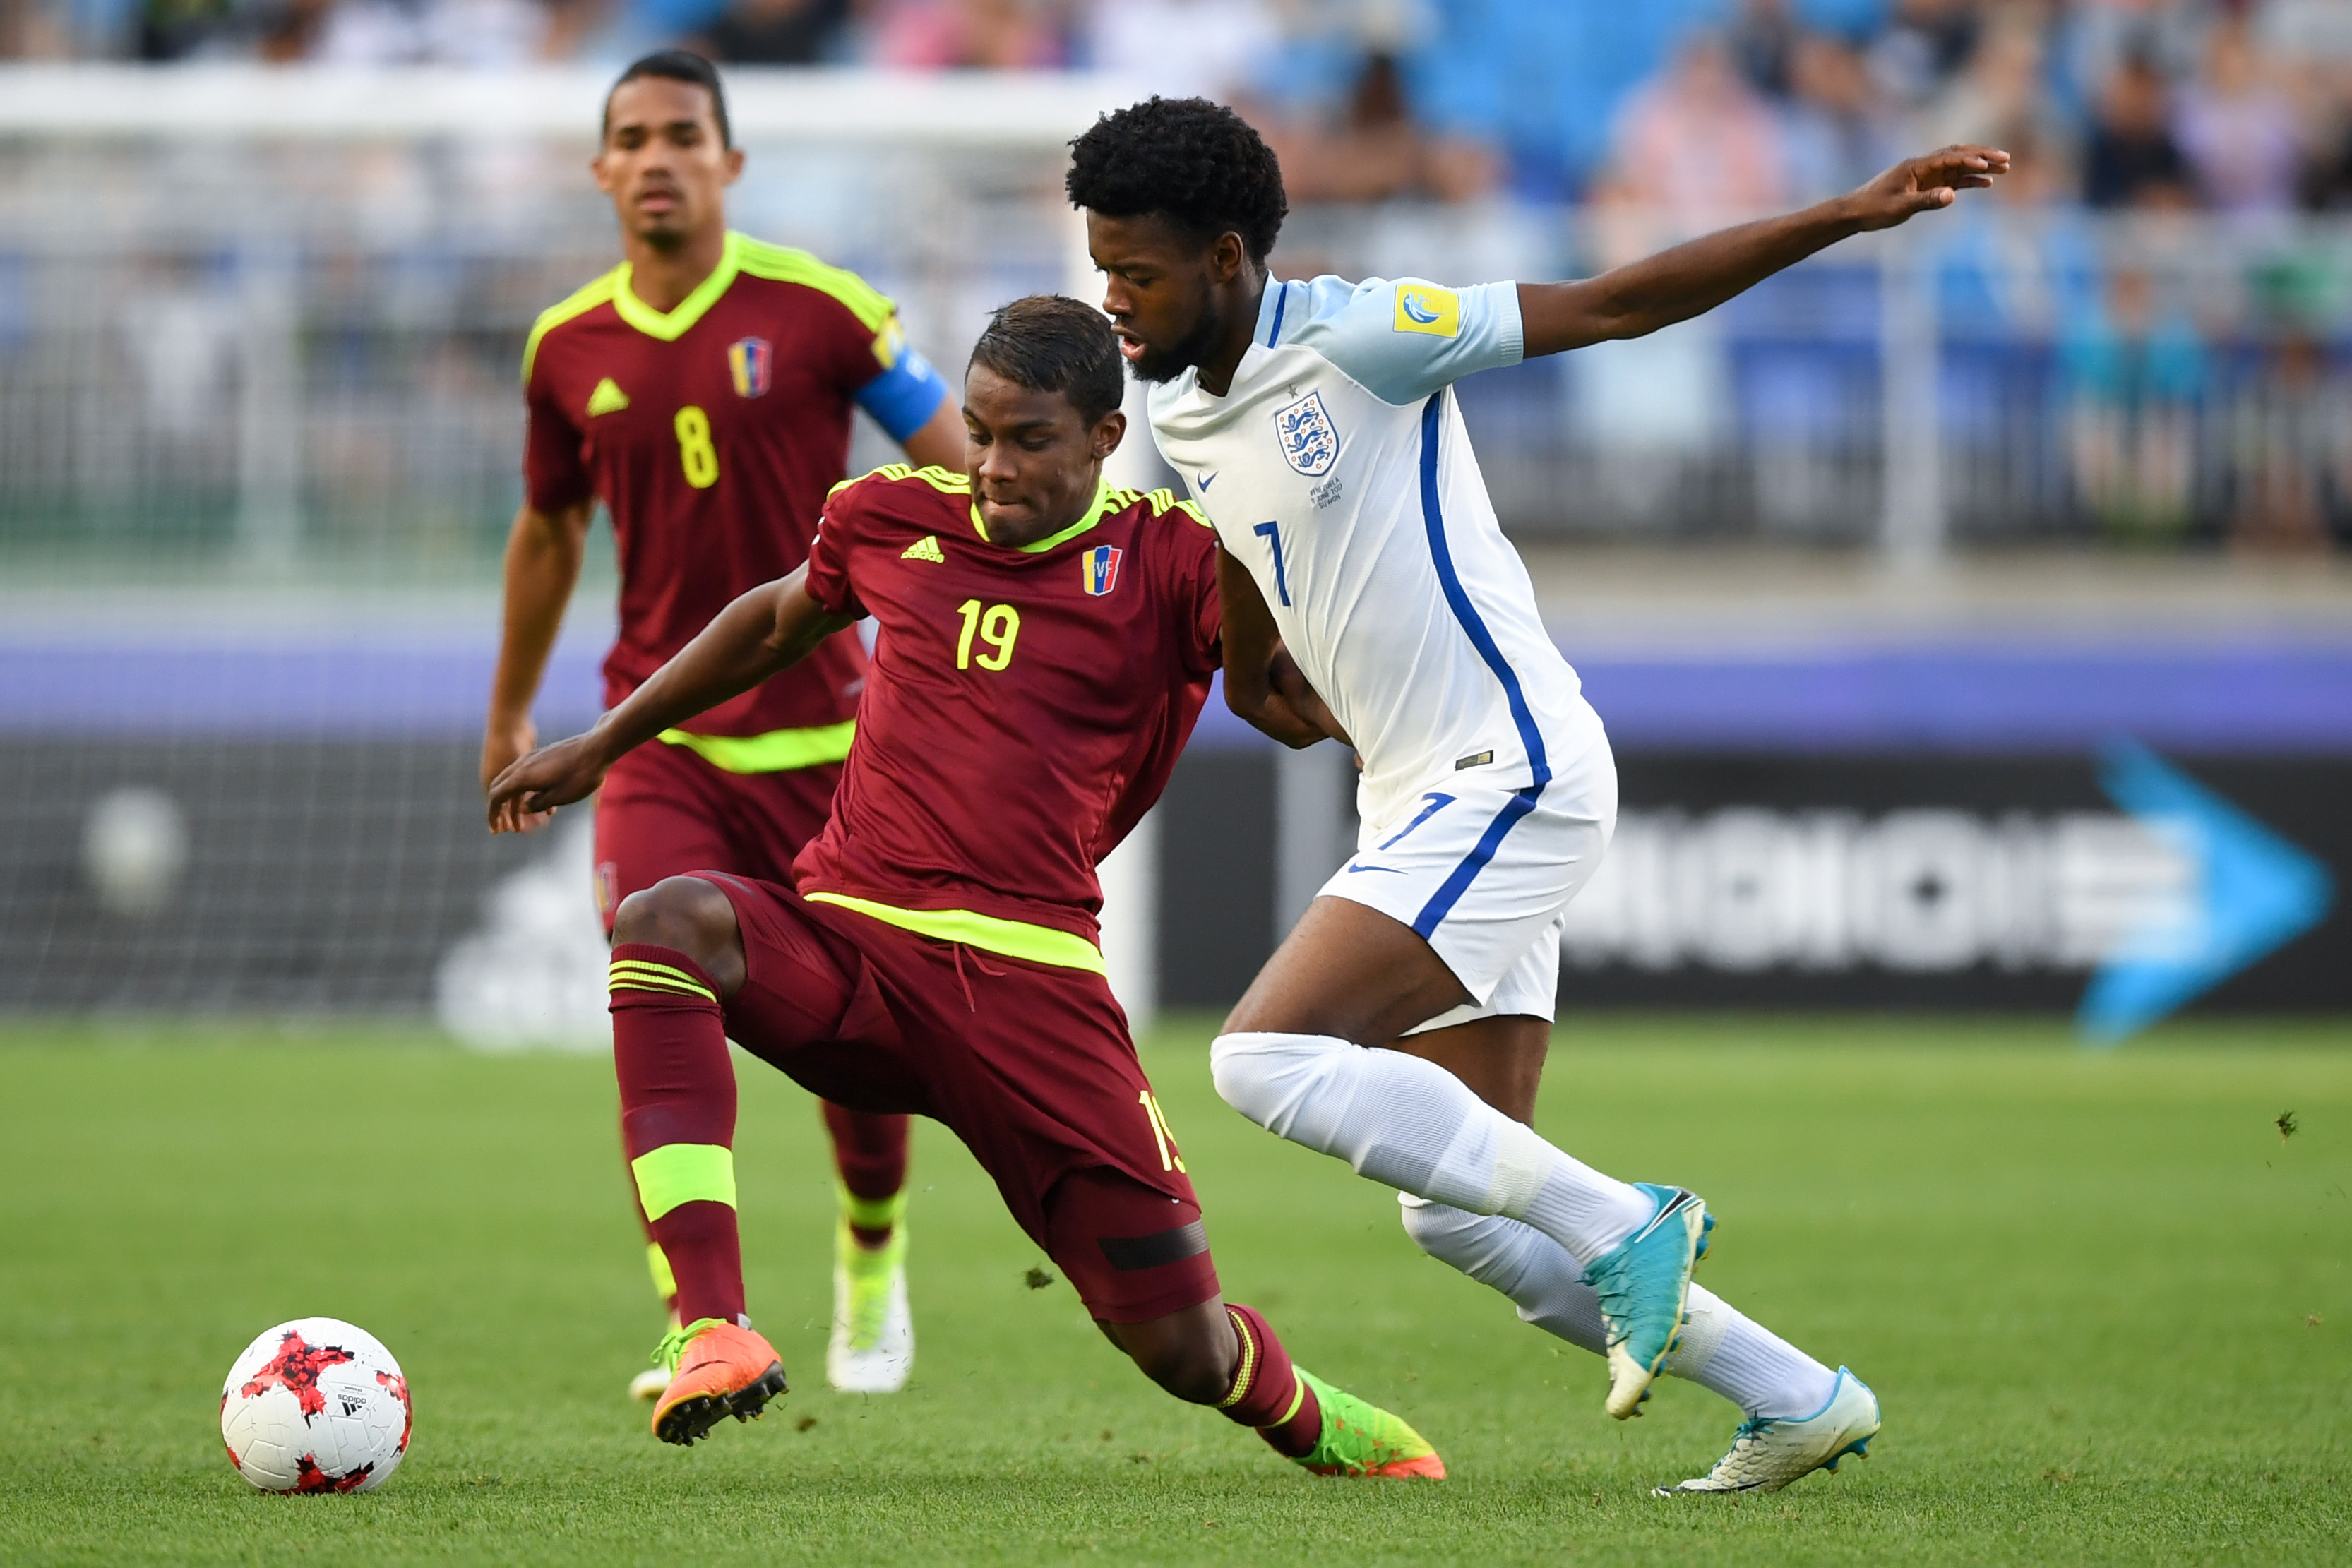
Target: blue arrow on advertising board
<point>2251,893</point>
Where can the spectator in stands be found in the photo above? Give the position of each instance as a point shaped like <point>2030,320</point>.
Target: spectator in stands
<point>2133,376</point>
<point>2289,425</point>
<point>1374,151</point>
<point>1837,133</point>
<point>776,32</point>
<point>2132,159</point>
<point>1927,43</point>
<point>1698,145</point>
<point>2236,129</point>
<point>1764,38</point>
<point>1183,48</point>
<point>963,34</point>
<point>1999,89</point>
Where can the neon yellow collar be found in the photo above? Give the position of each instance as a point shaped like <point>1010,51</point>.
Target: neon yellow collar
<point>670,326</point>
<point>1106,501</point>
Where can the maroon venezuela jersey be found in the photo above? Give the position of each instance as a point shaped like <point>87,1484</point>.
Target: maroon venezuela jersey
<point>712,433</point>
<point>1026,704</point>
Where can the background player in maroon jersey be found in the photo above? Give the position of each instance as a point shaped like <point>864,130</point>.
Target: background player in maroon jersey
<point>702,389</point>
<point>939,953</point>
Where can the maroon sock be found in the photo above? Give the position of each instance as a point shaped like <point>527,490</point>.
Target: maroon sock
<point>869,1152</point>
<point>1268,1392</point>
<point>669,1051</point>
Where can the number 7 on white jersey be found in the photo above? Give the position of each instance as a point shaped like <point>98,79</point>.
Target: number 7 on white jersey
<point>1273,532</point>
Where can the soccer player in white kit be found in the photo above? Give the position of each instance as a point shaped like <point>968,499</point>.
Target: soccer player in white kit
<point>1370,596</point>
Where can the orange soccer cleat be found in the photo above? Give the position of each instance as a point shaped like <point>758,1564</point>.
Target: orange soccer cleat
<point>717,1369</point>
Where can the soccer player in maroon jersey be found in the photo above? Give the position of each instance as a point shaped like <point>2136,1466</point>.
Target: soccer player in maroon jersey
<point>1046,642</point>
<point>702,389</point>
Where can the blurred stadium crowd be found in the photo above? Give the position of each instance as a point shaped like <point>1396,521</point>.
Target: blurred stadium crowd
<point>1709,105</point>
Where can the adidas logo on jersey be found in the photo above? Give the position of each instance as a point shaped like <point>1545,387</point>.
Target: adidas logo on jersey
<point>924,549</point>
<point>608,398</point>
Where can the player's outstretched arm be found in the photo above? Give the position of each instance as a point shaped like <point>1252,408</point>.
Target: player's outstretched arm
<point>767,630</point>
<point>1691,279</point>
<point>1263,683</point>
<point>542,563</point>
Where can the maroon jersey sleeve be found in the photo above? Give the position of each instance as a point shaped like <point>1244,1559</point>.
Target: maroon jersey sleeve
<point>555,470</point>
<point>829,551</point>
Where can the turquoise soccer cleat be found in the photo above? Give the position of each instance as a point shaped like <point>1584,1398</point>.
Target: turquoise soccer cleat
<point>1767,1455</point>
<point>1642,1283</point>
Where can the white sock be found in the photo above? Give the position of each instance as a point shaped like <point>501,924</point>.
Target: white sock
<point>1415,1126</point>
<point>1722,1348</point>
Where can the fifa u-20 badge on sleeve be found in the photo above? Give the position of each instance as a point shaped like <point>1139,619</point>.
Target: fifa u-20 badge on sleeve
<point>752,360</point>
<point>1426,307</point>
<point>1100,565</point>
<point>1310,442</point>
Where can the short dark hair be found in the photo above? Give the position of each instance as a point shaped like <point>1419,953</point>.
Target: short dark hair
<point>1197,163</point>
<point>1050,342</point>
<point>676,64</point>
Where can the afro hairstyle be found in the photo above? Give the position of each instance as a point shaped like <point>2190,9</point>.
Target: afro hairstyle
<point>1194,162</point>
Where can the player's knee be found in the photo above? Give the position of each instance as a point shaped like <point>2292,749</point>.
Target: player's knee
<point>1242,1067</point>
<point>686,914</point>
<point>1195,1368</point>
<point>1271,1078</point>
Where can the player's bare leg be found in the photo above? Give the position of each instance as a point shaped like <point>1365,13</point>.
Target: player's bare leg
<point>1228,1357</point>
<point>1302,1057</point>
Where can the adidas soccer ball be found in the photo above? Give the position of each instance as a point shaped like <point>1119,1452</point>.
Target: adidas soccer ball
<point>315,1405</point>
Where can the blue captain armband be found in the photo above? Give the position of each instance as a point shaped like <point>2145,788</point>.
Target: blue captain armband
<point>903,398</point>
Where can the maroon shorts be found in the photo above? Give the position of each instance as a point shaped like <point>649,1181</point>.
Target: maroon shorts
<point>1030,1064</point>
<point>664,811</point>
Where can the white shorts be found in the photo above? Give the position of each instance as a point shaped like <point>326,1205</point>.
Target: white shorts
<point>1483,872</point>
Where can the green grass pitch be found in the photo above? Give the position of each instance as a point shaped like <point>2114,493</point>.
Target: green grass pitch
<point>2105,1300</point>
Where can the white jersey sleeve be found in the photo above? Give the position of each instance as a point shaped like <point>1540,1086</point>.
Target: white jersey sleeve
<point>1403,338</point>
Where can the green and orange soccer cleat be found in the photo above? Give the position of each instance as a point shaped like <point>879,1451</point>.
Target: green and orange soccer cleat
<point>1364,1441</point>
<point>717,1369</point>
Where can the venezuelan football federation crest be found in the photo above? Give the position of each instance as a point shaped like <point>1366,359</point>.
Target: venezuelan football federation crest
<point>752,360</point>
<point>1310,442</point>
<point>1101,566</point>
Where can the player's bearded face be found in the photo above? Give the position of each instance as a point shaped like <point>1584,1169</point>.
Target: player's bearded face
<point>1158,295</point>
<point>663,162</point>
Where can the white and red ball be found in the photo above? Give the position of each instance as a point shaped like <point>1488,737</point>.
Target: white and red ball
<point>316,1406</point>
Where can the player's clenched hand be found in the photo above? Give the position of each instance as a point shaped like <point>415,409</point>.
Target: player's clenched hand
<point>551,776</point>
<point>1922,184</point>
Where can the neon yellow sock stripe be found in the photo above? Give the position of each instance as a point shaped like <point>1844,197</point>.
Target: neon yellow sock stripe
<point>664,1282</point>
<point>778,751</point>
<point>684,1173</point>
<point>672,988</point>
<point>1248,1368</point>
<point>1298,1397</point>
<point>871,1213</point>
<point>1014,938</point>
<point>641,975</point>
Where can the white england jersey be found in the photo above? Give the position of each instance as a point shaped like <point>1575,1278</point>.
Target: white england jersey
<point>1337,468</point>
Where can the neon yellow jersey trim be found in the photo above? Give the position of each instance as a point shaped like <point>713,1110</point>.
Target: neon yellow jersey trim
<point>937,478</point>
<point>782,263</point>
<point>743,254</point>
<point>778,751</point>
<point>1106,501</point>
<point>669,326</point>
<point>684,1173</point>
<point>581,301</point>
<point>1014,938</point>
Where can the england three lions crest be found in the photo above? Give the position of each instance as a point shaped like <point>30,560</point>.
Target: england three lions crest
<point>1310,442</point>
